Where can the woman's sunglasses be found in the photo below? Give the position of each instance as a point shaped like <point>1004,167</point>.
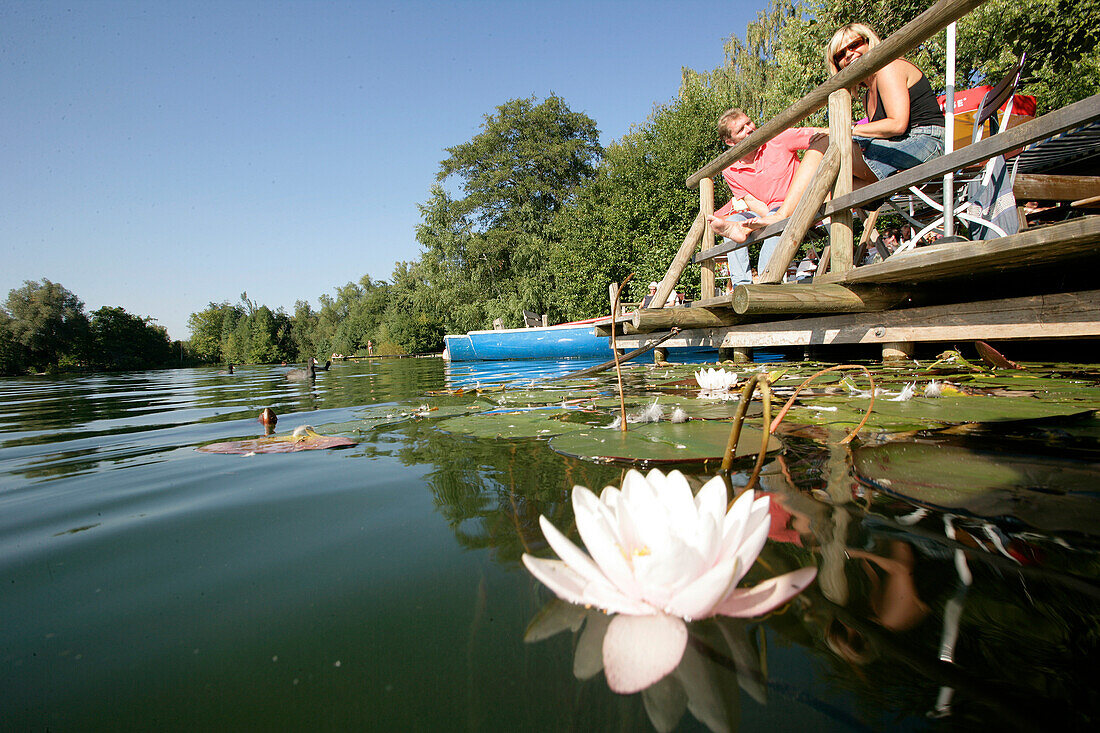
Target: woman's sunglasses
<point>853,46</point>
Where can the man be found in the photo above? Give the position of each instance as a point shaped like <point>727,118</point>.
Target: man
<point>759,184</point>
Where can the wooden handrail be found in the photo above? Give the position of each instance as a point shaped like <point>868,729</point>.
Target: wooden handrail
<point>1031,131</point>
<point>911,35</point>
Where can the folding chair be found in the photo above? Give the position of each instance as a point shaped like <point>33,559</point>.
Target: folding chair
<point>988,207</point>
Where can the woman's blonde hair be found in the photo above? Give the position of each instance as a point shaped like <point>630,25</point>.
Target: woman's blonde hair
<point>843,36</point>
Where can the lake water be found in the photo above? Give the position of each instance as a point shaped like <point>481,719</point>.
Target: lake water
<point>147,585</point>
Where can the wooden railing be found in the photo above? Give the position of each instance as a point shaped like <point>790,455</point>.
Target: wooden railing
<point>834,173</point>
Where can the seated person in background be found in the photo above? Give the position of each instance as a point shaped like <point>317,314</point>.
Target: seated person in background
<point>759,182</point>
<point>890,239</point>
<point>906,126</point>
<point>647,299</point>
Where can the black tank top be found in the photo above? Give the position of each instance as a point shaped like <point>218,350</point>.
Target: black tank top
<point>923,107</point>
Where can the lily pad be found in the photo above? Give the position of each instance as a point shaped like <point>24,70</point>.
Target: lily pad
<point>1046,493</point>
<point>688,442</point>
<point>526,423</point>
<point>309,440</point>
<point>928,413</point>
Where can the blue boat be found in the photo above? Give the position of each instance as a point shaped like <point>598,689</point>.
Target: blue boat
<point>577,340</point>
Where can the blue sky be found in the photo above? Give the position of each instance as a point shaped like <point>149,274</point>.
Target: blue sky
<point>162,155</point>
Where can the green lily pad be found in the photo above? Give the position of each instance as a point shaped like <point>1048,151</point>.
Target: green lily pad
<point>526,423</point>
<point>379,416</point>
<point>1048,493</point>
<point>921,413</point>
<point>693,441</point>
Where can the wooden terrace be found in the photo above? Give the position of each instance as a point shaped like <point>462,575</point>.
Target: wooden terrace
<point>1036,284</point>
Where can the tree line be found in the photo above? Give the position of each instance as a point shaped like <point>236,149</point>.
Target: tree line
<point>43,327</point>
<point>534,214</point>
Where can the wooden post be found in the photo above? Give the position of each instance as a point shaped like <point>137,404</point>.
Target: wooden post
<point>706,208</point>
<point>805,213</point>
<point>895,351</point>
<point>660,354</point>
<point>840,135</point>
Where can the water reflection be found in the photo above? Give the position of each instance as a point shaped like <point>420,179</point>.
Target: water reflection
<point>141,575</point>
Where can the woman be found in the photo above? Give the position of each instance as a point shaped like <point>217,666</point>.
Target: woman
<point>905,126</point>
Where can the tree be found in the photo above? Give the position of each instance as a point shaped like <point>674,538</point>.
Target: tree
<point>485,253</point>
<point>121,340</point>
<point>48,323</point>
<point>210,329</point>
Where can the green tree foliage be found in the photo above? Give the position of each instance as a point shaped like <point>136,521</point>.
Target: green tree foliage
<point>48,324</point>
<point>210,328</point>
<point>485,254</point>
<point>121,340</point>
<point>43,326</point>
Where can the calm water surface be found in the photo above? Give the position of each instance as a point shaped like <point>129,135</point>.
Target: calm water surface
<point>147,585</point>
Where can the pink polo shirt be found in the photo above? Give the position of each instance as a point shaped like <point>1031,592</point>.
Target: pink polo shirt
<point>771,171</point>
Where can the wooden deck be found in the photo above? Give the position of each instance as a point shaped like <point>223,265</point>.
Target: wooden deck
<point>874,304</point>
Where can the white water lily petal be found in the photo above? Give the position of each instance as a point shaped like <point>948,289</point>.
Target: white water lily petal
<point>569,585</point>
<point>711,500</point>
<point>571,555</point>
<point>599,530</point>
<point>674,493</point>
<point>698,598</point>
<point>736,520</point>
<point>639,650</point>
<point>768,595</point>
<point>751,545</point>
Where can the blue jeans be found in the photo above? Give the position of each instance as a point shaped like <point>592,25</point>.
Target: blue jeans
<point>738,259</point>
<point>887,157</point>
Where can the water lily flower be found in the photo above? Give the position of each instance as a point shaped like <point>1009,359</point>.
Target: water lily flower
<point>933,389</point>
<point>716,380</point>
<point>659,557</point>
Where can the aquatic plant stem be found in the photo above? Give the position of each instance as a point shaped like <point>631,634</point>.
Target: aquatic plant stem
<point>761,381</point>
<point>787,406</point>
<point>615,351</point>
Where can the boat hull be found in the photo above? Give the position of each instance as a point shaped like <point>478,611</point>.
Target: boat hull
<point>567,341</point>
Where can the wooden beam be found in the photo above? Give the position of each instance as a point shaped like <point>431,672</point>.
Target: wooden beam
<point>648,321</point>
<point>803,217</point>
<point>1042,245</point>
<point>680,262</point>
<point>1064,315</point>
<point>1032,187</point>
<point>807,298</point>
<point>911,35</point>
<point>1055,316</point>
<point>840,134</point>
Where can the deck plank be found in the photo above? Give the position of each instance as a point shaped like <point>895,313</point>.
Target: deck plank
<point>1054,316</point>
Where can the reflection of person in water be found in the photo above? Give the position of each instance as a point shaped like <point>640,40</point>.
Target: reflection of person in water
<point>895,604</point>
